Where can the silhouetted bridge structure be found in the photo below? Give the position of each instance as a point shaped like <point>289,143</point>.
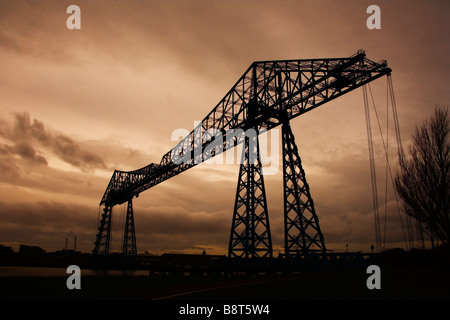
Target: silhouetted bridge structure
<point>269,94</point>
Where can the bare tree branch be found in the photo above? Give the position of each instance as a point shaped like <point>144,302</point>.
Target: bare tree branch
<point>423,179</point>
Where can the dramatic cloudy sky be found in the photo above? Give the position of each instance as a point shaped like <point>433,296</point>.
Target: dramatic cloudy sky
<point>77,104</point>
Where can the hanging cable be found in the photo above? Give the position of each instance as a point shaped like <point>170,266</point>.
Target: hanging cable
<point>372,170</point>
<point>386,150</point>
<point>386,176</point>
<point>395,115</point>
<point>385,147</point>
<point>401,153</point>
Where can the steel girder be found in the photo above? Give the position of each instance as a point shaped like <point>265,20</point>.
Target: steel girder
<point>264,95</point>
<point>122,185</point>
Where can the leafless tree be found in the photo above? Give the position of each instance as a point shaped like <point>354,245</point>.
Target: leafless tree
<point>423,178</point>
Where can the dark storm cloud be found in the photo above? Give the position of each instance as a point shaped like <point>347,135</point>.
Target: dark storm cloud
<point>28,154</point>
<point>176,221</point>
<point>20,147</point>
<point>38,221</point>
<point>27,151</point>
<point>26,134</point>
<point>8,168</point>
<point>47,224</point>
<point>52,215</point>
<point>69,151</point>
<point>51,181</point>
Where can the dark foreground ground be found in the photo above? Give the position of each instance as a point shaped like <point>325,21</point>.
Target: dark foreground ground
<point>397,283</point>
<point>412,283</point>
<point>406,290</point>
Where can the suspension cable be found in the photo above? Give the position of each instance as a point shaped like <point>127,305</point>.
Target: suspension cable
<point>385,147</point>
<point>372,170</point>
<point>386,176</point>
<point>401,153</point>
<point>390,94</point>
<point>388,166</point>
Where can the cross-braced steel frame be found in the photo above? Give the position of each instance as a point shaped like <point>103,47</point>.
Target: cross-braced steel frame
<point>267,95</point>
<point>102,243</point>
<point>250,231</point>
<point>302,234</point>
<point>129,237</point>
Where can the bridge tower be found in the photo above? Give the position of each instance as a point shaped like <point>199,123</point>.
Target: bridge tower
<point>103,240</point>
<point>129,238</point>
<point>302,234</point>
<point>250,231</point>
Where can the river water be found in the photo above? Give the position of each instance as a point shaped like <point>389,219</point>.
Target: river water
<point>7,271</point>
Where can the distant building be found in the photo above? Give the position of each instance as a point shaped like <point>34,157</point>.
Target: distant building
<point>31,251</point>
<point>6,251</point>
<point>66,253</point>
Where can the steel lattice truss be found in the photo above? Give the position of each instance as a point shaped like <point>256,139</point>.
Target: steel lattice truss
<point>104,232</point>
<point>129,238</point>
<point>289,87</point>
<point>250,231</point>
<point>301,224</point>
<point>268,94</point>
